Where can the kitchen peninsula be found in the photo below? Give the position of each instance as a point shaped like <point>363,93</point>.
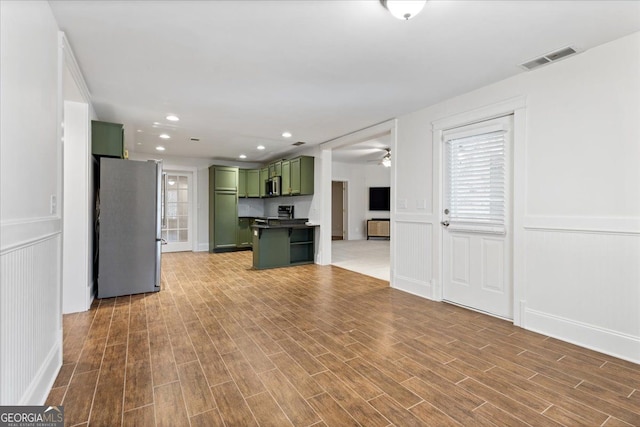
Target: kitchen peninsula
<point>279,242</point>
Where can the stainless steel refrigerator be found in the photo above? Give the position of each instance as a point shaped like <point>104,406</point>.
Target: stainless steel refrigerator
<point>128,227</point>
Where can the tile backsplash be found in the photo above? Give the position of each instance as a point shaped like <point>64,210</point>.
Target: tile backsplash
<point>251,207</point>
<point>269,207</point>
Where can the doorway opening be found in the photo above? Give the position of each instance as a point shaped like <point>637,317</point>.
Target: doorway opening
<point>356,167</point>
<point>339,205</point>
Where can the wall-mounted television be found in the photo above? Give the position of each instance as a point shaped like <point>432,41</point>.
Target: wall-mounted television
<point>379,198</point>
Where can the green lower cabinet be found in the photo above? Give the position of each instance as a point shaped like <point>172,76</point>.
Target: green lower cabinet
<point>244,239</point>
<point>283,247</point>
<point>301,246</point>
<point>270,247</point>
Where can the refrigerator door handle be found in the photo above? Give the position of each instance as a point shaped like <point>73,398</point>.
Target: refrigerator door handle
<point>159,223</point>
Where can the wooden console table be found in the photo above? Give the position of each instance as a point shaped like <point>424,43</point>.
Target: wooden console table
<point>378,227</point>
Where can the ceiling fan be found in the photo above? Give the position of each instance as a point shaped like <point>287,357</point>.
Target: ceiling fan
<point>385,160</point>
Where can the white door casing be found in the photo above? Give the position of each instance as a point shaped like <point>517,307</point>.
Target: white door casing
<point>477,261</point>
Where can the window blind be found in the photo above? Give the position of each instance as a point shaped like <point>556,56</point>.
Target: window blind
<point>476,182</point>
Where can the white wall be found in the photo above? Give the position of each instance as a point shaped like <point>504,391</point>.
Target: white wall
<point>360,178</point>
<point>576,264</point>
<point>30,173</point>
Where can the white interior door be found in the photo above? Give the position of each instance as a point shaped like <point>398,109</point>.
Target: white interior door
<point>177,223</point>
<point>477,217</point>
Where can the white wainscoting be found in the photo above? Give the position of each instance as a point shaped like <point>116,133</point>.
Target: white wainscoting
<point>30,311</point>
<point>413,259</point>
<point>583,286</point>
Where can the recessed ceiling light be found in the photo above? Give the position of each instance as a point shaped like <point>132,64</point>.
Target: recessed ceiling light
<point>260,147</point>
<point>160,148</point>
<point>156,123</point>
<point>173,118</point>
<point>286,134</point>
<point>138,143</point>
<point>139,130</point>
<point>164,136</point>
<point>243,156</point>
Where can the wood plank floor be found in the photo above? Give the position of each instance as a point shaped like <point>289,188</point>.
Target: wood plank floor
<point>224,345</point>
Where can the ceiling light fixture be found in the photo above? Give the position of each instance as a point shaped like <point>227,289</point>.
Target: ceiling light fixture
<point>260,147</point>
<point>286,134</point>
<point>164,136</point>
<point>243,156</point>
<point>173,118</point>
<point>403,9</point>
<point>160,148</point>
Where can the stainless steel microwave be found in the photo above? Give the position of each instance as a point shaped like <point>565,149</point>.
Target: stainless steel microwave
<point>272,186</point>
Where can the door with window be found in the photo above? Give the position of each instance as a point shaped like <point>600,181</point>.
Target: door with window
<point>476,217</point>
<point>176,211</point>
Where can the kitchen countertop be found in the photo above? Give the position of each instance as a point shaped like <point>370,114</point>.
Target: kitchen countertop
<point>267,226</point>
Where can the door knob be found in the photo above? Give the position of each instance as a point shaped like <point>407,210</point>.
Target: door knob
<point>444,223</point>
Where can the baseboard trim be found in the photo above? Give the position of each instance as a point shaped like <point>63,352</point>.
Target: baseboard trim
<point>603,340</point>
<point>38,390</point>
<point>412,286</point>
<point>90,294</point>
<point>203,247</point>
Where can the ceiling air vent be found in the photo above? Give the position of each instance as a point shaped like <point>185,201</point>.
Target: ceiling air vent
<point>194,139</point>
<point>299,143</point>
<point>549,57</point>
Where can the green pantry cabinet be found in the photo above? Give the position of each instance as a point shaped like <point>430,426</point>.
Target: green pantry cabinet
<point>223,208</point>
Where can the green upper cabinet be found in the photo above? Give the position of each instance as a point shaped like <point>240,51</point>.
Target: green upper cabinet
<point>225,178</point>
<point>242,183</point>
<point>275,169</point>
<point>107,139</point>
<point>301,175</point>
<point>286,178</point>
<point>253,183</point>
<point>264,175</point>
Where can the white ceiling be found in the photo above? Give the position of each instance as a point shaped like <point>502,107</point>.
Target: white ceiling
<point>239,73</point>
